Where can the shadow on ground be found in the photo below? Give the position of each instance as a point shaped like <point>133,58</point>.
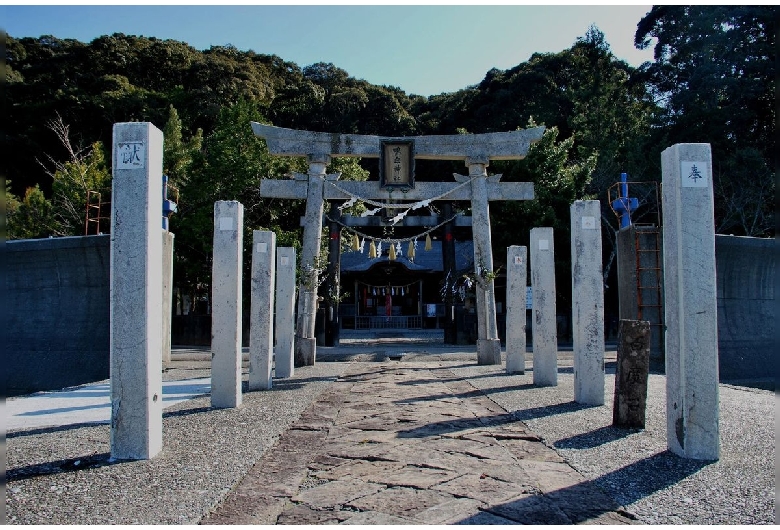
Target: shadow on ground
<point>578,504</point>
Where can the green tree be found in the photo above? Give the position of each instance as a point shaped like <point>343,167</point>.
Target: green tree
<point>232,162</point>
<point>83,171</point>
<point>558,182</point>
<point>178,154</point>
<point>714,77</point>
<point>32,217</point>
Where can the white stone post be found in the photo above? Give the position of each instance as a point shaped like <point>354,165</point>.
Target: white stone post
<point>226,304</point>
<point>305,342</point>
<point>488,343</point>
<point>587,299</point>
<point>544,328</point>
<point>690,302</point>
<point>517,279</point>
<point>136,292</point>
<point>285,311</point>
<point>261,320</point>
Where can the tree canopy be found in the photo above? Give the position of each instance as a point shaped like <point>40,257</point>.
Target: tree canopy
<point>712,80</point>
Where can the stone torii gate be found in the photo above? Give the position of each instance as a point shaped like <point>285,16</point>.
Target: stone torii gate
<point>476,150</point>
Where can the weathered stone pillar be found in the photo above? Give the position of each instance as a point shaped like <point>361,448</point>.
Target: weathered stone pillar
<point>633,367</point>
<point>285,311</point>
<point>261,323</point>
<point>226,304</point>
<point>690,302</point>
<point>305,341</point>
<point>488,344</point>
<point>136,292</point>
<point>545,328</point>
<point>516,265</point>
<point>587,299</point>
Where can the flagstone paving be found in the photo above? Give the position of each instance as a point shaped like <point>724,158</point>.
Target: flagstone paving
<point>412,444</point>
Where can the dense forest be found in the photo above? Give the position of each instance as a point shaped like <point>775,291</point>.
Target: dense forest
<point>712,80</point>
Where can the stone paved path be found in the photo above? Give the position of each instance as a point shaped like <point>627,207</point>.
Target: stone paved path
<point>412,443</point>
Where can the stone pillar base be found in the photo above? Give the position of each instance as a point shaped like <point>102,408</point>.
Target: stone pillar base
<point>305,351</point>
<point>488,351</point>
<point>515,363</point>
<point>633,367</point>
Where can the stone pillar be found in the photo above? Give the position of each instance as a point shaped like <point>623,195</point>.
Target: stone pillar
<point>516,265</point>
<point>305,342</point>
<point>545,325</point>
<point>226,304</point>
<point>285,311</point>
<point>167,290</point>
<point>691,304</point>
<point>261,323</point>
<point>136,299</point>
<point>633,367</point>
<point>587,299</point>
<point>488,344</point>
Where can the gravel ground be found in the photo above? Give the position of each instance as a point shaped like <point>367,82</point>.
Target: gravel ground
<point>63,476</point>
<point>634,466</point>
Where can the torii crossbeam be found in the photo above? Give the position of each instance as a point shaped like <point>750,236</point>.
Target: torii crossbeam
<point>476,150</point>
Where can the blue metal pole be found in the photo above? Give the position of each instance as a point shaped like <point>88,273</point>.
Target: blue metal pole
<point>625,219</point>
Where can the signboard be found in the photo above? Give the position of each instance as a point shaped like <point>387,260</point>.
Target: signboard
<point>396,164</point>
<point>529,298</point>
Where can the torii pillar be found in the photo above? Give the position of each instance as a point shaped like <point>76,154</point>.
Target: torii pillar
<point>475,149</point>
<point>305,341</point>
<point>488,343</point>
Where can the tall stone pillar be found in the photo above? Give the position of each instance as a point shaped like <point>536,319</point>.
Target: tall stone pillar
<point>136,292</point>
<point>587,299</point>
<point>488,343</point>
<point>285,311</point>
<point>226,304</point>
<point>545,328</point>
<point>261,323</point>
<point>516,265</point>
<point>692,395</point>
<point>305,341</point>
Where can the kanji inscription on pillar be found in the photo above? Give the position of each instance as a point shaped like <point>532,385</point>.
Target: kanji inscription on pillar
<point>694,174</point>
<point>131,155</point>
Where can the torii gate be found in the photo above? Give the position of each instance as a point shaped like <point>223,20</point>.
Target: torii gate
<point>476,150</point>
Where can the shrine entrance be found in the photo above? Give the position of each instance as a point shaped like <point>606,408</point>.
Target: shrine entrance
<point>404,294</point>
<point>398,194</point>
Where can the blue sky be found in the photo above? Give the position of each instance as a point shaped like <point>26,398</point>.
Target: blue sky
<point>424,50</point>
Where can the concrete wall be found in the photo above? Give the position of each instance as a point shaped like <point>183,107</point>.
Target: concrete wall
<point>746,269</point>
<point>57,295</point>
<point>57,302</point>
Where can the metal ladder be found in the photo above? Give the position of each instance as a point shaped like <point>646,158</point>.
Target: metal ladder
<point>94,213</point>
<point>649,278</point>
